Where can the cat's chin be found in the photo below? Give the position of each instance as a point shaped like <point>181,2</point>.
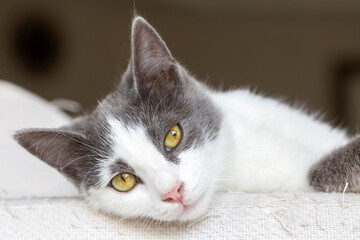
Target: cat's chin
<point>190,212</point>
<point>187,214</point>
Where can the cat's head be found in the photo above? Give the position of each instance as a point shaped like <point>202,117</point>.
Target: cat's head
<point>150,148</point>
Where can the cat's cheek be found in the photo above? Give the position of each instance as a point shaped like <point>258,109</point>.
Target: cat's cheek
<point>200,169</point>
<point>198,210</point>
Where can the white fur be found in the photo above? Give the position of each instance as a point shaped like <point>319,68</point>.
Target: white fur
<point>275,145</point>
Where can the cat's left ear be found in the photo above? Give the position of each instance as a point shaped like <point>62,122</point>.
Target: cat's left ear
<point>66,151</point>
<point>154,69</point>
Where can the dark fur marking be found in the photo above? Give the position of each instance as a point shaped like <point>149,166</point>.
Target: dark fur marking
<point>341,166</point>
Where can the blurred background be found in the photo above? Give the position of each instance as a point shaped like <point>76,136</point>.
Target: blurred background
<point>300,51</point>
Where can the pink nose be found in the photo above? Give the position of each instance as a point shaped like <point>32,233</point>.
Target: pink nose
<point>174,195</point>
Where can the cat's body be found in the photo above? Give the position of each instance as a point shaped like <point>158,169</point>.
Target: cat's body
<point>283,140</point>
<point>162,143</point>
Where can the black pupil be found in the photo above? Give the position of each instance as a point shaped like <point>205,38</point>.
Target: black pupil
<point>123,178</point>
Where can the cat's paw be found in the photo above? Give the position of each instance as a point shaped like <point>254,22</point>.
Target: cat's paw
<point>338,170</point>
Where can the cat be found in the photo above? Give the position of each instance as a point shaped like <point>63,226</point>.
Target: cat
<point>163,144</point>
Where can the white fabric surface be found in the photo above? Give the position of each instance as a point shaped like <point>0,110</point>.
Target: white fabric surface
<point>232,216</point>
<point>22,174</point>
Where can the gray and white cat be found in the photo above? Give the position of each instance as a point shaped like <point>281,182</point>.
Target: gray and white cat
<point>162,144</point>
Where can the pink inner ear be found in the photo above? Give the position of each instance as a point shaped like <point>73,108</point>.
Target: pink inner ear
<point>174,195</point>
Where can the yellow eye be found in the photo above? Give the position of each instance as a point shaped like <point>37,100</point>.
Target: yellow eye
<point>123,182</point>
<point>172,138</point>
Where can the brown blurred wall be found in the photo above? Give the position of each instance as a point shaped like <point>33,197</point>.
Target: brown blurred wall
<point>282,49</point>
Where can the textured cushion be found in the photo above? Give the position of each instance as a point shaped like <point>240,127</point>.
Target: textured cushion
<point>21,174</point>
<point>232,216</point>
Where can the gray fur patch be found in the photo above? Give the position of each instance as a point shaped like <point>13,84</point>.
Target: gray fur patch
<point>338,168</point>
<point>187,106</point>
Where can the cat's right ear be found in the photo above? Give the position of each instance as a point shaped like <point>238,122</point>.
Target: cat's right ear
<point>154,69</point>
<point>66,151</point>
